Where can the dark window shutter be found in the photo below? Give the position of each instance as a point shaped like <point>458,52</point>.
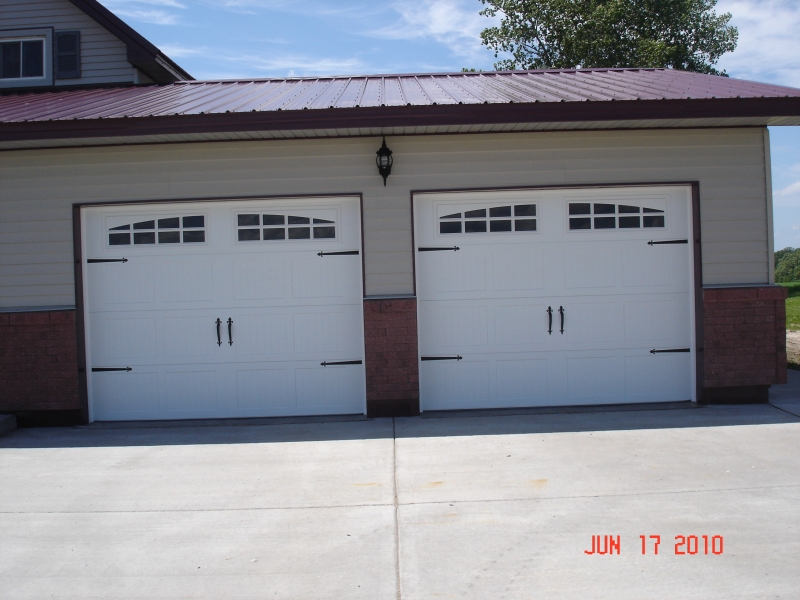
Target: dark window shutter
<point>68,54</point>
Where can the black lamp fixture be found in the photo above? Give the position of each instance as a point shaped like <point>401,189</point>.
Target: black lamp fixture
<point>384,161</point>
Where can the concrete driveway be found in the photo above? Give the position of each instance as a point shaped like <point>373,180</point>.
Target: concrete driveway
<point>456,507</point>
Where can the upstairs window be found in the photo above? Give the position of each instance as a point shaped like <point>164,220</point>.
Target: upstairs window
<point>600,215</point>
<point>494,219</point>
<point>22,59</point>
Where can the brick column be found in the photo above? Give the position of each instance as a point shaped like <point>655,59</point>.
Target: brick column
<point>39,357</point>
<point>390,338</point>
<point>745,343</point>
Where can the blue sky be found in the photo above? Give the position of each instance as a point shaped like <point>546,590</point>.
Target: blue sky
<point>215,39</point>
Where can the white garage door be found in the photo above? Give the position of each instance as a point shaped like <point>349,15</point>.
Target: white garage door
<point>568,297</point>
<point>224,309</point>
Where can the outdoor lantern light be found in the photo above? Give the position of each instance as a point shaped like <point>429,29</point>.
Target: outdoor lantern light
<point>384,161</point>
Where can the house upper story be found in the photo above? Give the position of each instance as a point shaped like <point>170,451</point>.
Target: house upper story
<point>47,44</point>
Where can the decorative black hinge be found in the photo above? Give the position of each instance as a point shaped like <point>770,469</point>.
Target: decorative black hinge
<point>453,248</point>
<point>667,350</point>
<point>652,243</point>
<point>101,260</point>
<point>106,369</point>
<point>343,253</point>
<point>456,357</point>
<point>340,362</point>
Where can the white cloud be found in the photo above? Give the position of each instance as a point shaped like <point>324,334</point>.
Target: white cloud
<point>139,10</point>
<point>156,17</point>
<point>790,190</point>
<point>318,8</point>
<point>769,44</point>
<point>243,66</point>
<point>302,66</point>
<point>179,51</point>
<point>453,23</point>
<point>788,196</point>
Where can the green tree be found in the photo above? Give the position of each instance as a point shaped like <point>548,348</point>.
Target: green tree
<point>568,34</point>
<point>787,265</point>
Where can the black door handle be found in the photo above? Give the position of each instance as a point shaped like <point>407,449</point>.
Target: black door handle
<point>219,340</point>
<point>230,334</point>
<point>550,320</point>
<point>561,311</point>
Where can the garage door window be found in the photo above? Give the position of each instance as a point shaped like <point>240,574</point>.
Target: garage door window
<point>169,230</point>
<point>495,219</point>
<point>254,227</point>
<point>599,215</point>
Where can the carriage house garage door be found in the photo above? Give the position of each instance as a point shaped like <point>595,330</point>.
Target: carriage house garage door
<point>224,309</point>
<point>567,297</point>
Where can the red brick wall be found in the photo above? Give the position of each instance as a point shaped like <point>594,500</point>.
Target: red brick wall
<point>744,336</point>
<point>39,358</point>
<point>390,337</point>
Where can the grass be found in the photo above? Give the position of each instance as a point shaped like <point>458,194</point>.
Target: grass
<point>792,314</point>
<point>793,305</point>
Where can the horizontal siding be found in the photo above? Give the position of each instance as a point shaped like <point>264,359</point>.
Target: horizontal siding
<point>40,186</point>
<point>104,58</point>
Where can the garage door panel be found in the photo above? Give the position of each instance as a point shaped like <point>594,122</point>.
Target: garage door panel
<point>121,338</point>
<point>125,395</point>
<point>462,271</point>
<point>456,327</point>
<point>124,283</point>
<point>591,267</point>
<point>193,336</point>
<point>518,270</point>
<point>455,385</point>
<point>318,277</point>
<point>190,390</point>
<point>595,322</point>
<point>187,281</point>
<point>653,320</point>
<point>657,377</point>
<point>335,387</point>
<point>522,382</point>
<point>655,267</point>
<point>259,279</point>
<point>521,325</point>
<point>595,379</point>
<point>260,335</point>
<point>320,332</point>
<point>258,389</point>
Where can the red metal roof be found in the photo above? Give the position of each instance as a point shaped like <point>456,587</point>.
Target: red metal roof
<point>392,105</point>
<point>320,93</point>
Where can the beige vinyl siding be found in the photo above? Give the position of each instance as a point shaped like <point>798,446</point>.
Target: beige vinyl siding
<point>104,58</point>
<point>40,186</point>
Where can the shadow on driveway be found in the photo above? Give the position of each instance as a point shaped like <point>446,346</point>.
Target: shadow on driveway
<point>466,423</point>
